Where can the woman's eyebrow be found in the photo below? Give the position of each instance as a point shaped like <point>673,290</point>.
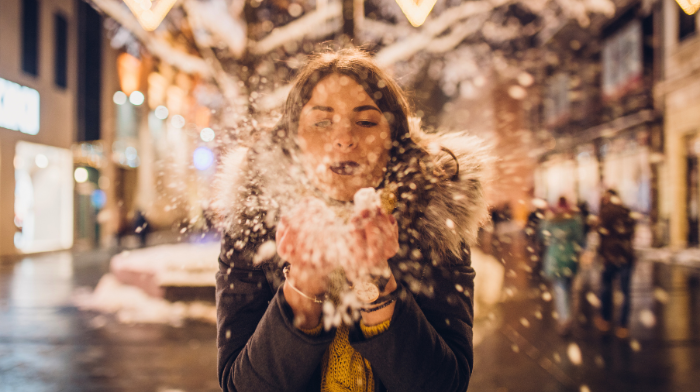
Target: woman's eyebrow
<point>323,108</point>
<point>366,107</point>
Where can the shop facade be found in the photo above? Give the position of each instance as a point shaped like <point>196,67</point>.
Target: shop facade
<point>605,128</point>
<point>680,94</point>
<point>37,125</point>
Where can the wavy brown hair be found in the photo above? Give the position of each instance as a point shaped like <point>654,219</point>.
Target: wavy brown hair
<point>358,65</point>
<point>411,174</point>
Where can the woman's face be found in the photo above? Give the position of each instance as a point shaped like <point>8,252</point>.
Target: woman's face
<point>344,138</point>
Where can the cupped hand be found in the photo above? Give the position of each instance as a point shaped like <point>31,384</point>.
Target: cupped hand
<point>375,239</point>
<point>301,242</point>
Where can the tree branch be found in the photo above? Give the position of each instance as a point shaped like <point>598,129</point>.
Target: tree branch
<point>158,47</point>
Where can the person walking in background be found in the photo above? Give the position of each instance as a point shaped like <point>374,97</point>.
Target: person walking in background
<point>563,234</point>
<point>535,245</point>
<point>616,230</point>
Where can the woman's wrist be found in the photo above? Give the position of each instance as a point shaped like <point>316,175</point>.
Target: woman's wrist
<point>379,313</point>
<point>304,301</point>
<point>307,313</point>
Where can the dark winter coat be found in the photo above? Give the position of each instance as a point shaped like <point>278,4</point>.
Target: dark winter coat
<point>616,231</point>
<point>428,346</point>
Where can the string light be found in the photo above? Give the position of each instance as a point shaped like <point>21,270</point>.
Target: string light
<point>417,11</point>
<point>689,6</point>
<point>136,98</point>
<point>207,134</point>
<point>150,13</point>
<point>80,175</point>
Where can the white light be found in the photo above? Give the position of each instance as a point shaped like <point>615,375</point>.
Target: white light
<point>178,121</point>
<point>136,98</point>
<point>207,134</point>
<point>161,112</point>
<point>119,98</point>
<point>41,161</point>
<point>80,175</point>
<point>130,153</point>
<point>19,108</point>
<point>203,158</point>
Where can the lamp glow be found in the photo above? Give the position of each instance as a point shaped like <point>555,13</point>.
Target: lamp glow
<point>119,98</point>
<point>136,98</point>
<point>203,158</point>
<point>207,134</point>
<point>161,112</point>
<point>80,175</point>
<point>177,121</point>
<point>689,6</point>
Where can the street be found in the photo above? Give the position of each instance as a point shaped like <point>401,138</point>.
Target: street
<point>47,344</point>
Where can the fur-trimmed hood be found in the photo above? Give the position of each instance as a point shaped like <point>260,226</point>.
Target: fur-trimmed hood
<point>255,185</point>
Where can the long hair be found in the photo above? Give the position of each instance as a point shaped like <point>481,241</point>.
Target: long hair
<point>358,65</point>
<point>411,174</point>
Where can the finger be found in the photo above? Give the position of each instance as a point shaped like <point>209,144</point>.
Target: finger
<point>375,243</point>
<point>384,237</point>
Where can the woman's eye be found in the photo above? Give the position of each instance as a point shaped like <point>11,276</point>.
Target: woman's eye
<point>323,123</point>
<point>366,123</point>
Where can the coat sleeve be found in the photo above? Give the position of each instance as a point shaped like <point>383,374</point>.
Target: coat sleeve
<point>258,346</point>
<point>428,346</point>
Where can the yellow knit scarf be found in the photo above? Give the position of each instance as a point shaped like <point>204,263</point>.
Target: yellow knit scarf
<point>343,368</point>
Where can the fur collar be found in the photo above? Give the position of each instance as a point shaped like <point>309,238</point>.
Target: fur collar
<point>254,185</point>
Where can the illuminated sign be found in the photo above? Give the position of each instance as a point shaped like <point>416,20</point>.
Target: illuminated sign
<point>19,107</point>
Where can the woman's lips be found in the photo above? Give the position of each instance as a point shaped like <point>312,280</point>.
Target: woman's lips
<point>346,168</point>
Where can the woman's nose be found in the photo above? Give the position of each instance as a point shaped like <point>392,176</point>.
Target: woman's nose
<point>343,138</point>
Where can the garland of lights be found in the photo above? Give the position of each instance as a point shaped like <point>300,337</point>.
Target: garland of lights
<point>417,11</point>
<point>689,6</point>
<point>150,13</point>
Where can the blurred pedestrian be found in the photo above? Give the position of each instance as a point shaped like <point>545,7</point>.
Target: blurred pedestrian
<point>562,232</point>
<point>535,245</point>
<point>141,227</point>
<point>616,230</point>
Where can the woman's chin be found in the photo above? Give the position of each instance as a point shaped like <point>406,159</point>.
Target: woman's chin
<point>343,187</point>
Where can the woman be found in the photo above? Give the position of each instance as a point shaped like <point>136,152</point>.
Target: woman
<point>563,234</point>
<point>345,127</point>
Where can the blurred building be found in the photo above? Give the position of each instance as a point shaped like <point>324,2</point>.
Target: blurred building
<point>56,127</point>
<point>601,127</point>
<point>680,95</point>
<point>38,106</point>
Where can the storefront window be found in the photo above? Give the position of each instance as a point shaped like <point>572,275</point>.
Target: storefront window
<point>43,198</point>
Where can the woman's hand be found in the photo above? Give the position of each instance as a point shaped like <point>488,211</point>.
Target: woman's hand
<point>375,240</point>
<point>300,242</point>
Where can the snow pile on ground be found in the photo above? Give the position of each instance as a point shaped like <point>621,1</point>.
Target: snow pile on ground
<point>132,305</point>
<point>150,269</point>
<point>133,291</point>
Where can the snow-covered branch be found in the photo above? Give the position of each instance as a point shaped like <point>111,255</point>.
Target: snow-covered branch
<point>309,25</point>
<point>156,46</point>
<point>213,20</point>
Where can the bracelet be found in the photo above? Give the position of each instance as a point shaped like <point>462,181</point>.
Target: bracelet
<point>382,306</point>
<point>391,296</point>
<point>315,299</point>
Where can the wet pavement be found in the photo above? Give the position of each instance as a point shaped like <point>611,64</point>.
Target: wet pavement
<point>46,344</point>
